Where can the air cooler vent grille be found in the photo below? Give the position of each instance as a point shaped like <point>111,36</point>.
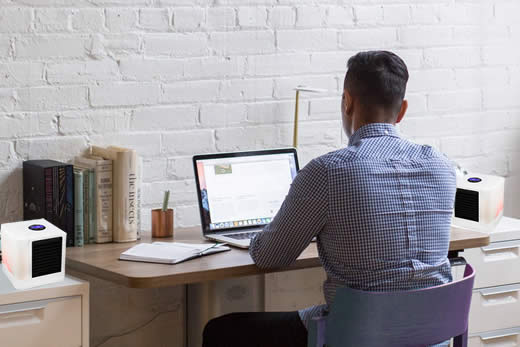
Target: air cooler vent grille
<point>466,204</point>
<point>46,256</point>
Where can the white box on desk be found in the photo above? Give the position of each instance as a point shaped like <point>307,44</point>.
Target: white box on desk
<point>33,253</point>
<point>479,202</point>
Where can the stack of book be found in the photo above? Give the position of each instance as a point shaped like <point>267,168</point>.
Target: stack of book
<point>111,195</point>
<point>95,200</point>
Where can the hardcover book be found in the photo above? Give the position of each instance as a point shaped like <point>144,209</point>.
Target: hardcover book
<point>48,192</point>
<point>102,195</point>
<point>91,203</point>
<point>139,185</point>
<point>86,205</point>
<point>78,208</point>
<point>125,191</point>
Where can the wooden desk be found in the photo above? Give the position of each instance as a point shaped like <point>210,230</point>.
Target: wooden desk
<point>101,261</point>
<point>205,287</point>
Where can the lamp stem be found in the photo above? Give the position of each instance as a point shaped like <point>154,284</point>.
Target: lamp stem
<point>295,132</point>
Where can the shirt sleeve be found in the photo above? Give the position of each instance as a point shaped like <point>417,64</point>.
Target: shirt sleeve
<point>301,217</point>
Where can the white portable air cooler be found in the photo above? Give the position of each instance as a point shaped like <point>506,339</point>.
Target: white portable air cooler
<point>33,253</point>
<point>479,202</point>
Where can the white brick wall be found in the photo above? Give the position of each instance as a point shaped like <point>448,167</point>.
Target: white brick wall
<point>173,78</point>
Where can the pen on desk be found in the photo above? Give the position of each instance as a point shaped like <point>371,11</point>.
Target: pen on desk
<point>213,246</point>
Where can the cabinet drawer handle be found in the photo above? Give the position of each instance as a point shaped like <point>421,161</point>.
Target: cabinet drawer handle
<point>23,307</point>
<point>500,290</point>
<point>501,245</point>
<point>498,334</point>
<point>21,314</point>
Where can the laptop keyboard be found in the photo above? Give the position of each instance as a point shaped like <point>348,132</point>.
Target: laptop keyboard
<point>242,236</point>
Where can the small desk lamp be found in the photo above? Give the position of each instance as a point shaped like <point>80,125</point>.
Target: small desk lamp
<point>298,90</point>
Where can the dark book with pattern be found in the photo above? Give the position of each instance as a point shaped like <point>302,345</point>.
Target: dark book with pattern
<point>48,192</point>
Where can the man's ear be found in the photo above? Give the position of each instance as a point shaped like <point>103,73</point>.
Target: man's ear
<point>402,111</point>
<point>348,102</point>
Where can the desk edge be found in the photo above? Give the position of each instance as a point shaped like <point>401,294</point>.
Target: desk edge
<point>216,274</point>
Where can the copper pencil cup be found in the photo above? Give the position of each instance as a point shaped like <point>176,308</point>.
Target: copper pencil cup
<point>162,223</point>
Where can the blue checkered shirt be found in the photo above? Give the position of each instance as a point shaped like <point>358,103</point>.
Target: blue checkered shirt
<point>381,210</point>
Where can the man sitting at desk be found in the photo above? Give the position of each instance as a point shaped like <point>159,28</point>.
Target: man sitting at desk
<point>380,208</point>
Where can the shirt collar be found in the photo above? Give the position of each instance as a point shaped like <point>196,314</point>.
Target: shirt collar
<point>373,130</point>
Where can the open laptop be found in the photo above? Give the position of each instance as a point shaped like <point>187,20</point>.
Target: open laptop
<point>239,193</point>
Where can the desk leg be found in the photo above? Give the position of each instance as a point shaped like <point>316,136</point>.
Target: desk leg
<point>454,254</point>
<point>458,264</point>
<point>212,299</point>
<point>279,291</point>
<point>294,290</point>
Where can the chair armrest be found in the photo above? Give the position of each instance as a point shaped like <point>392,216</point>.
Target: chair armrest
<point>316,332</point>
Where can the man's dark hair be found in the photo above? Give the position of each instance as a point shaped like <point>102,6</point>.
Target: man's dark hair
<point>377,79</point>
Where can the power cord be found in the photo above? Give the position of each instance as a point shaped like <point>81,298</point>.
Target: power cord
<point>128,332</point>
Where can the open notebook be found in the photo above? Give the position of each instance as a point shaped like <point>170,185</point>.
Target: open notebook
<point>170,252</point>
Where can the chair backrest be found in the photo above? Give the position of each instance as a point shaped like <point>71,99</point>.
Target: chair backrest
<point>408,318</point>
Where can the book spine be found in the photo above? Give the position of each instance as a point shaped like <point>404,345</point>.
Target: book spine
<point>104,201</point>
<point>86,217</point>
<point>125,196</point>
<point>139,185</point>
<point>78,208</point>
<point>64,209</point>
<point>92,206</point>
<point>55,197</point>
<point>69,204</point>
<point>60,205</point>
<point>48,194</point>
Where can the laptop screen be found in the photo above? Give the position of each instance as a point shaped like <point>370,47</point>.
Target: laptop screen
<point>243,190</point>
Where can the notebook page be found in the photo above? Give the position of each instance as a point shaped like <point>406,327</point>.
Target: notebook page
<point>160,253</point>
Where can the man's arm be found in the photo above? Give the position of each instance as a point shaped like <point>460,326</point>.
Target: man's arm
<point>300,218</point>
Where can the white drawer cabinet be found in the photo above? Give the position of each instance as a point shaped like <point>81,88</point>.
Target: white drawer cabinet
<point>496,264</point>
<point>54,315</point>
<point>495,306</point>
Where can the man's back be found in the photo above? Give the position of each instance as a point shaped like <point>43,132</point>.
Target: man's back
<point>381,210</point>
<point>390,207</point>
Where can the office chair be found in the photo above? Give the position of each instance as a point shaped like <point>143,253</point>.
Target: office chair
<point>421,317</point>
